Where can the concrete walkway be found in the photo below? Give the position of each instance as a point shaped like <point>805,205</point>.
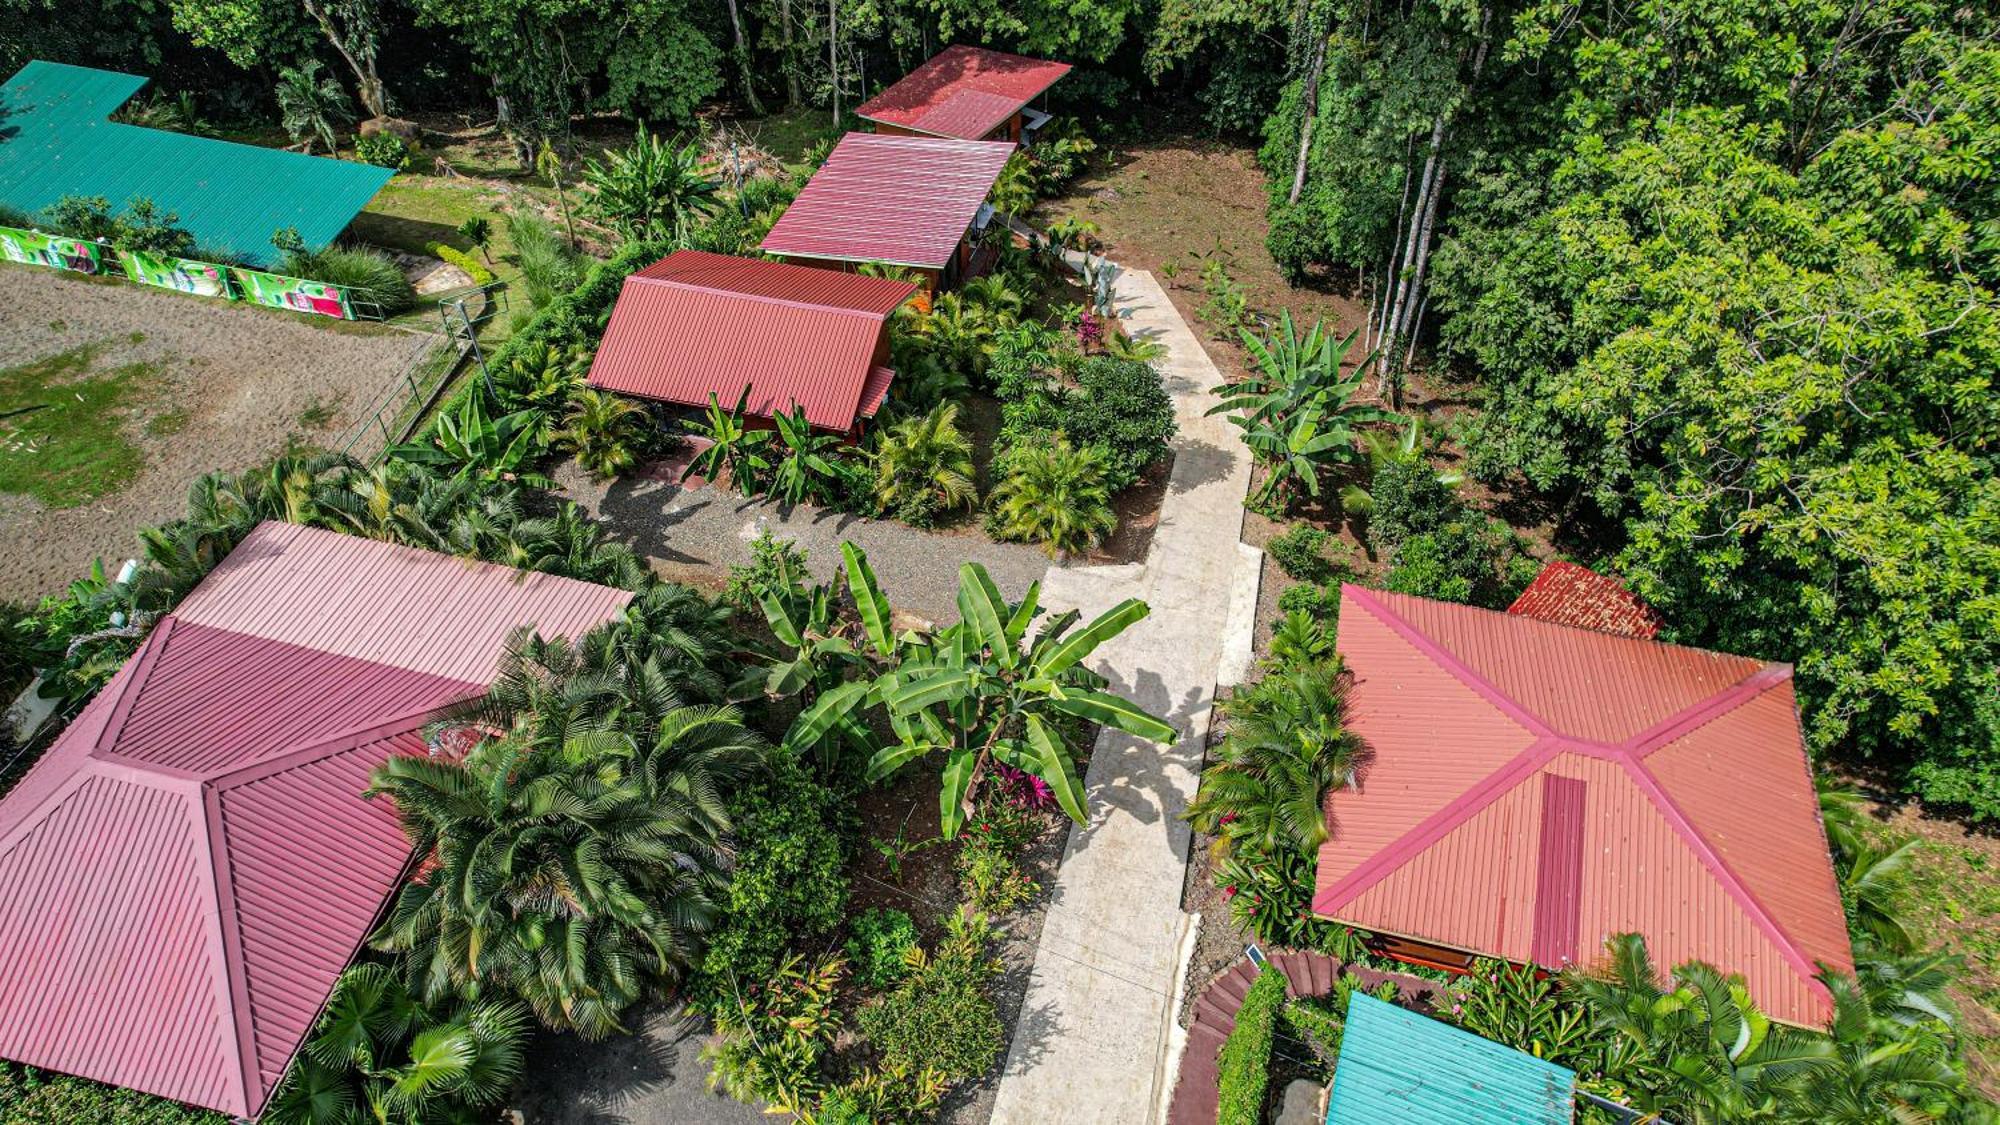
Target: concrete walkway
<point>1097,1040</point>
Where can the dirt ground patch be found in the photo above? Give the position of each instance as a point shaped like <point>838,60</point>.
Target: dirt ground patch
<point>226,387</point>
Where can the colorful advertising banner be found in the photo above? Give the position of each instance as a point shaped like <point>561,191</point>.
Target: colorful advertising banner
<point>293,293</point>
<point>185,275</point>
<point>37,249</point>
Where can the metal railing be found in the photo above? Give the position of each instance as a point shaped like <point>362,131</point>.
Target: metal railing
<point>394,413</point>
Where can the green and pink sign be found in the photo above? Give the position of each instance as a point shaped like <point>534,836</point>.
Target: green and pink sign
<point>37,249</point>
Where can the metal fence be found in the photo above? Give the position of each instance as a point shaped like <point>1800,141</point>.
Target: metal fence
<point>394,413</point>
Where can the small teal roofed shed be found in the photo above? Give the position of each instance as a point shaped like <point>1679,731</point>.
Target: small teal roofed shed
<point>56,139</point>
<point>1399,1067</point>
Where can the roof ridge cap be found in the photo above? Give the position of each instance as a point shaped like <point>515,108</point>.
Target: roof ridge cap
<point>338,743</point>
<point>222,936</point>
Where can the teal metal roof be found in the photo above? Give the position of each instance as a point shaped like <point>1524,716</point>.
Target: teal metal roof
<point>55,140</point>
<point>1396,1065</point>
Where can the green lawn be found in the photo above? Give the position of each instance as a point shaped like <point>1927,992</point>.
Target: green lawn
<point>60,423</point>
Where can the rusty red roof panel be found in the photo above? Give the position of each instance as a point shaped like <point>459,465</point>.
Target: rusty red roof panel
<point>191,865</point>
<point>1568,594</point>
<point>902,200</point>
<point>695,324</point>
<point>963,92</point>
<point>1506,749</point>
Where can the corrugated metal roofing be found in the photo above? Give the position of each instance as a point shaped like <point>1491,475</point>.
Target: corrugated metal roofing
<point>189,868</point>
<point>1568,594</point>
<point>902,200</point>
<point>963,92</point>
<point>231,197</point>
<point>1396,1065</point>
<point>1698,821</point>
<point>696,324</point>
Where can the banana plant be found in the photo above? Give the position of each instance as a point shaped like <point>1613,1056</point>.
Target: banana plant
<point>980,693</point>
<point>470,442</point>
<point>734,448</point>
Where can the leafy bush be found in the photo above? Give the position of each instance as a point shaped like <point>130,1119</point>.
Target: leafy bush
<point>29,1096</point>
<point>384,150</point>
<point>1467,560</point>
<point>790,879</point>
<point>1120,406</point>
<point>772,1032</point>
<point>878,947</point>
<point>369,275</point>
<point>1408,498</point>
<point>942,1015</point>
<point>890,1095</point>
<point>1321,603</point>
<point>1244,1064</point>
<point>1301,554</point>
<point>453,256</point>
<point>988,877</point>
<point>81,216</point>
<point>550,267</point>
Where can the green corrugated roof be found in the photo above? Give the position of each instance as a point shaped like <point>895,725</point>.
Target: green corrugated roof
<point>1398,1066</point>
<point>55,140</point>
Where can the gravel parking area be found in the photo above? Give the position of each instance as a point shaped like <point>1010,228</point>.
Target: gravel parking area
<point>695,535</point>
<point>233,385</point>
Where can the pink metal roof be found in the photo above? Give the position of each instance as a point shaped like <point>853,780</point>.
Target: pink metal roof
<point>963,92</point>
<point>1568,594</point>
<point>188,869</point>
<point>696,324</point>
<point>1536,788</point>
<point>902,200</point>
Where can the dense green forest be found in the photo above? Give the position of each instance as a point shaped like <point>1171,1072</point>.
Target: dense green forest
<point>1721,275</point>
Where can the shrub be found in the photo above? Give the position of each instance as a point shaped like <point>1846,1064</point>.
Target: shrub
<point>81,216</point>
<point>923,468</point>
<point>368,275</point>
<point>144,226</point>
<point>1299,639</point>
<point>1120,406</point>
<point>771,1034</point>
<point>1459,562</point>
<point>942,1015</point>
<point>550,267</point>
<point>1321,603</point>
<point>29,1096</point>
<point>1407,499</point>
<point>453,256</point>
<point>1301,554</point>
<point>384,150</point>
<point>1244,1064</point>
<point>988,878</point>
<point>790,880</point>
<point>776,565</point>
<point>602,430</point>
<point>879,946</point>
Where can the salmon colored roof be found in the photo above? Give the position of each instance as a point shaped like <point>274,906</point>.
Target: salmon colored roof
<point>188,869</point>
<point>963,92</point>
<point>1568,594</point>
<point>907,201</point>
<point>1535,789</point>
<point>695,324</point>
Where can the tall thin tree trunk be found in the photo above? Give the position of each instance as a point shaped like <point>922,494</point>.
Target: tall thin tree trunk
<point>368,86</point>
<point>785,42</point>
<point>1399,295</point>
<point>1311,114</point>
<point>833,59</point>
<point>743,61</point>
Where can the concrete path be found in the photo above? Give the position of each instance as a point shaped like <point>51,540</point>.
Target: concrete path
<point>1097,1037</point>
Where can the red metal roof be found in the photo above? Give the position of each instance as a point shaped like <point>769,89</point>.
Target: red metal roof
<point>963,92</point>
<point>1568,594</point>
<point>189,868</point>
<point>695,324</point>
<point>1536,788</point>
<point>902,200</point>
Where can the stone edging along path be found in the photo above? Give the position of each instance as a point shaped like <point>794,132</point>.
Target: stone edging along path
<point>1097,1039</point>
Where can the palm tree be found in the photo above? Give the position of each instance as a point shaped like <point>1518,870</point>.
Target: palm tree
<point>686,633</point>
<point>652,189</point>
<point>1870,884</point>
<point>378,1055</point>
<point>923,466</point>
<point>600,430</point>
<point>999,302</point>
<point>1879,1073</point>
<point>1055,493</point>
<point>571,544</point>
<point>311,104</point>
<point>1288,746</point>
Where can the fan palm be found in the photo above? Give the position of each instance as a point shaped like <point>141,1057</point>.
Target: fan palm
<point>1055,493</point>
<point>923,466</point>
<point>1288,746</point>
<point>687,634</point>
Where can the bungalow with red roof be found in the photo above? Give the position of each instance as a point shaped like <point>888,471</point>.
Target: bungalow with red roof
<point>188,870</point>
<point>1534,789</point>
<point>694,325</point>
<point>913,202</point>
<point>967,94</point>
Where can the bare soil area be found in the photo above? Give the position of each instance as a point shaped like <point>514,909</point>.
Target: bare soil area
<point>233,387</point>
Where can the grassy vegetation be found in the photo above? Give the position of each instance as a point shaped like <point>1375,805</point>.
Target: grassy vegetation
<point>788,135</point>
<point>60,424</point>
<point>413,211</point>
<point>1951,901</point>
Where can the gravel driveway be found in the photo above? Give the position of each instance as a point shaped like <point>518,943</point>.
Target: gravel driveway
<point>234,384</point>
<point>695,535</point>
